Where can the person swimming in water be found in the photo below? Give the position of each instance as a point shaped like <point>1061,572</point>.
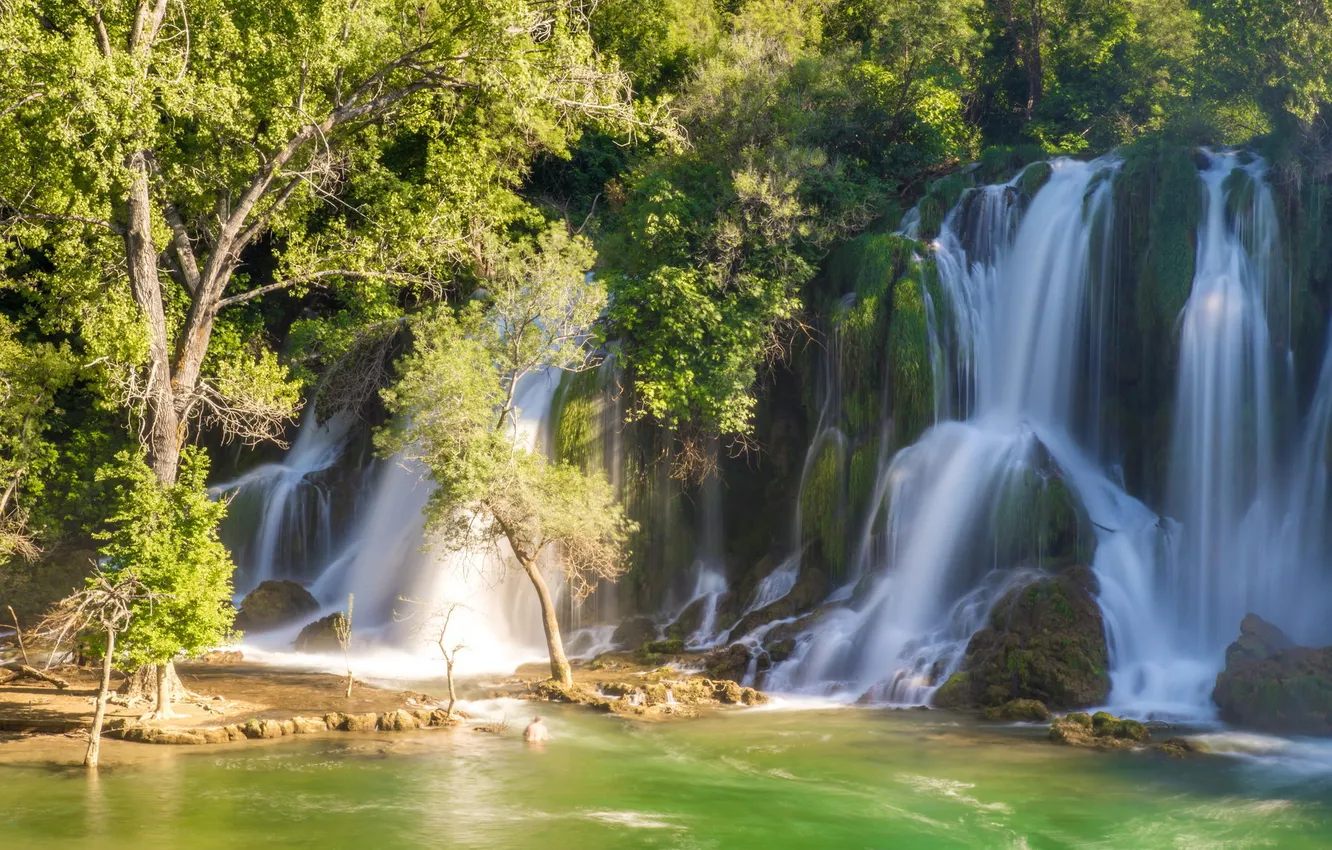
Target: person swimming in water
<point>536,732</point>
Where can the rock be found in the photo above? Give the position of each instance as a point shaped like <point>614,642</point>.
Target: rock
<point>309,725</point>
<point>1044,641</point>
<point>691,618</point>
<point>216,735</point>
<point>360,723</point>
<point>634,632</point>
<point>336,721</point>
<point>398,721</point>
<point>1179,748</point>
<point>1271,685</point>
<point>1019,710</point>
<point>222,656</point>
<point>728,662</point>
<point>809,590</point>
<point>1102,731</point>
<point>273,604</point>
<point>1259,640</point>
<point>321,635</point>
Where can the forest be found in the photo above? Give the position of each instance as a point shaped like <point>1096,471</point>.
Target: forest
<point>811,423</point>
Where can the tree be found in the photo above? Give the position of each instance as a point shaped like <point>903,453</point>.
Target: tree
<point>455,411</point>
<point>167,145</point>
<point>105,605</point>
<point>165,536</point>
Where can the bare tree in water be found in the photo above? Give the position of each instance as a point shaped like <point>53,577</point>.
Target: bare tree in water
<point>105,605</point>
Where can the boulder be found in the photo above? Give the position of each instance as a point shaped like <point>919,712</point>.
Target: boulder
<point>321,635</point>
<point>1044,641</point>
<point>691,618</point>
<point>634,632</point>
<point>1271,685</point>
<point>273,604</point>
<point>728,662</point>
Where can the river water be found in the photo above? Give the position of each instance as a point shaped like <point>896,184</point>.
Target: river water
<point>817,778</point>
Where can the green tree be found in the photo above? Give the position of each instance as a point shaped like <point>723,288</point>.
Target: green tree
<point>30,376</point>
<point>165,537</point>
<point>186,148</point>
<point>454,408</point>
<point>805,121</point>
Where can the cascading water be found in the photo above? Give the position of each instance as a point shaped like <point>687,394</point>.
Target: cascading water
<point>397,581</point>
<point>285,510</point>
<point>1017,331</point>
<point>1015,295</point>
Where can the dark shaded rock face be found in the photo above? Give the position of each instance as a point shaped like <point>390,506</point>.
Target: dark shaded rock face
<point>1044,641</point>
<point>634,632</point>
<point>1272,685</point>
<point>321,635</point>
<point>273,604</point>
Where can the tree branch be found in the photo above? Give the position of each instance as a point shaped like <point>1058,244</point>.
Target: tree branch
<point>313,276</point>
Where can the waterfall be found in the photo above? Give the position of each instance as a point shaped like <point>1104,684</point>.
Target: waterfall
<point>1018,328</point>
<point>397,579</point>
<point>285,510</point>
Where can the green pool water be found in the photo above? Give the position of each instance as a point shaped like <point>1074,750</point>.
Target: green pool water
<point>835,778</point>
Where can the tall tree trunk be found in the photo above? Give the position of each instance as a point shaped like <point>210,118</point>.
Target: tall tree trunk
<point>103,693</point>
<point>559,664</point>
<point>155,683</point>
<point>163,420</point>
<point>453,698</point>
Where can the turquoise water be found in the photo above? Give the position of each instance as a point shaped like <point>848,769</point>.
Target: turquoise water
<point>756,779</point>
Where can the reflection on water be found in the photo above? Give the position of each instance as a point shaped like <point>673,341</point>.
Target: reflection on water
<point>816,778</point>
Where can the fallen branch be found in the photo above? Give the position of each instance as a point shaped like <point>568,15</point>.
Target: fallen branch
<point>14,672</point>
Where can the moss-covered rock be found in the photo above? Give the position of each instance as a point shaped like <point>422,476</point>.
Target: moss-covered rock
<point>1045,641</point>
<point>1034,177</point>
<point>810,588</point>
<point>1271,685</point>
<point>273,604</point>
<point>321,635</point>
<point>728,662</point>
<point>1101,731</point>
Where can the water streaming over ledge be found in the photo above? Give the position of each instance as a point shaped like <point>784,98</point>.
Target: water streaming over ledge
<point>1015,346</point>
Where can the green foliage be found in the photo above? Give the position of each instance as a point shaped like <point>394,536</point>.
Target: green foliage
<point>823,505</point>
<point>166,536</point>
<point>910,379</point>
<point>942,195</point>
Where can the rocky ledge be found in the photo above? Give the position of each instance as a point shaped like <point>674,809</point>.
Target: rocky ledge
<point>402,720</point>
<point>656,696</point>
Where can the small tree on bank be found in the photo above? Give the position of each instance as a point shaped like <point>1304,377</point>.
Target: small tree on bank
<point>165,536</point>
<point>455,411</point>
<point>105,606</point>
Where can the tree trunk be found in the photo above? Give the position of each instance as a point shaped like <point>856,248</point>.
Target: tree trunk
<point>453,699</point>
<point>147,684</point>
<point>163,421</point>
<point>103,693</point>
<point>559,664</point>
